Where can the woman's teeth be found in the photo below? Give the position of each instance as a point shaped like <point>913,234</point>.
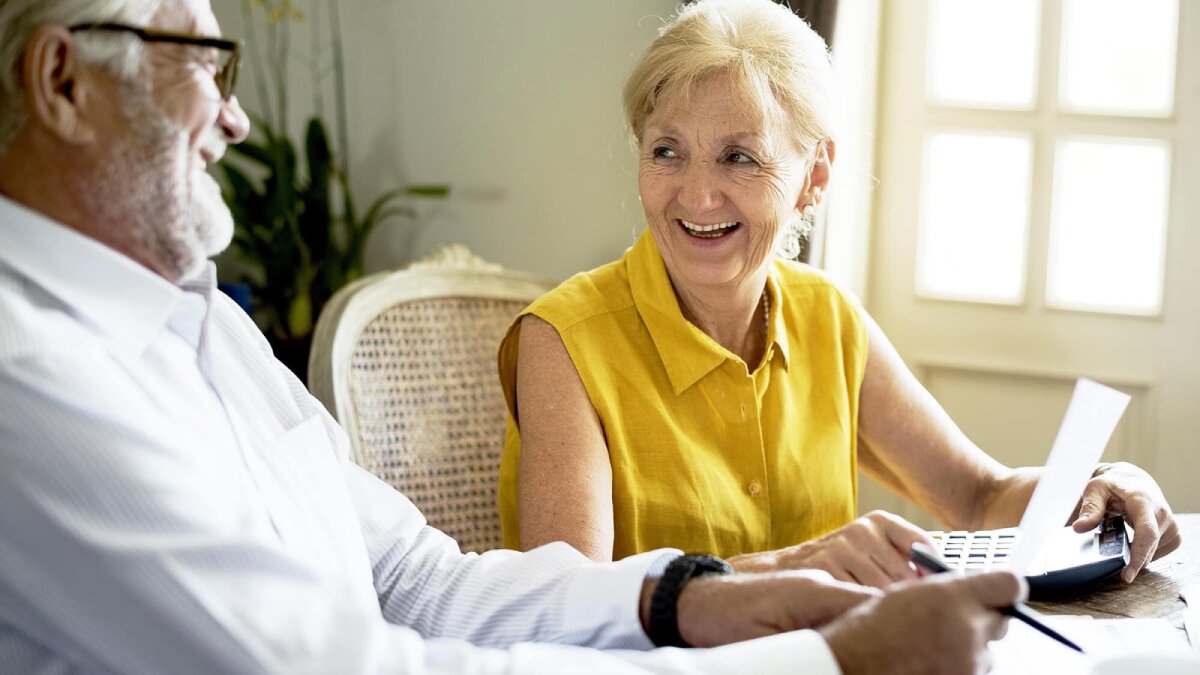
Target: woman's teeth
<point>708,231</point>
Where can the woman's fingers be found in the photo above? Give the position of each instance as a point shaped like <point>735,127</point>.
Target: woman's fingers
<point>874,549</point>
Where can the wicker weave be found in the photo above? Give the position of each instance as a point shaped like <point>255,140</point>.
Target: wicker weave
<point>406,362</point>
<point>430,411</point>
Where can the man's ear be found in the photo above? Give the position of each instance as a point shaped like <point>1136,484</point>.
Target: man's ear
<point>819,174</point>
<point>56,85</point>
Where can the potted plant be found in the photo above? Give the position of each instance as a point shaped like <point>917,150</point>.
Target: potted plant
<point>298,232</point>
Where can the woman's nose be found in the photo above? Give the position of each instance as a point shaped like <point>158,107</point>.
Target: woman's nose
<point>701,191</point>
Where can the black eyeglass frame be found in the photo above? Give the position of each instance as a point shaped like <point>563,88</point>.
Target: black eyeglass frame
<point>226,77</point>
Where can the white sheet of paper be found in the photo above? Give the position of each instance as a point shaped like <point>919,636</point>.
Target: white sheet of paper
<point>1025,651</point>
<point>1191,623</point>
<point>1090,420</point>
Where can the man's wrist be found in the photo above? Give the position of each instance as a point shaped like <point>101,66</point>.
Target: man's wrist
<point>649,585</point>
<point>663,622</point>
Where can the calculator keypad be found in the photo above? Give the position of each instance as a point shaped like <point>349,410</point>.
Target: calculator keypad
<point>1112,537</point>
<point>976,551</point>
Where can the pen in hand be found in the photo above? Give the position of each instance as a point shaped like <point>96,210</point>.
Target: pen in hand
<point>928,559</point>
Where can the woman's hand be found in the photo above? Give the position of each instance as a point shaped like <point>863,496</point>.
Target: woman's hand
<point>872,551</point>
<point>1124,489</point>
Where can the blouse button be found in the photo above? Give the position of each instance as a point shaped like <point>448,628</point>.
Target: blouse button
<point>754,488</point>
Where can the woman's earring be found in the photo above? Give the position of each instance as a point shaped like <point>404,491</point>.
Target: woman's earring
<point>808,220</point>
<point>798,231</point>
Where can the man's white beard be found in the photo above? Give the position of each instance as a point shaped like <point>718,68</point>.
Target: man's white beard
<point>208,215</point>
<point>154,184</point>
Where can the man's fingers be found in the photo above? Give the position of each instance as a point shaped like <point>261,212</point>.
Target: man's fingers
<point>824,599</point>
<point>837,598</point>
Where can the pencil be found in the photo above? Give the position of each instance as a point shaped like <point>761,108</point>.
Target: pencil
<point>927,558</point>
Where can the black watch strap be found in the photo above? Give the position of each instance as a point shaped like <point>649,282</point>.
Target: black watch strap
<point>664,623</point>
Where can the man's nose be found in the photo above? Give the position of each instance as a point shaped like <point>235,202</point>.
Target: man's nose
<point>233,121</point>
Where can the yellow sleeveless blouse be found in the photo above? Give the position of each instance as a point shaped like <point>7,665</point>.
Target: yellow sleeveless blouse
<point>707,456</point>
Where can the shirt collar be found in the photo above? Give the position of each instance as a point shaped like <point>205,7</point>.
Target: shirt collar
<point>686,352</point>
<point>777,333</point>
<point>127,303</point>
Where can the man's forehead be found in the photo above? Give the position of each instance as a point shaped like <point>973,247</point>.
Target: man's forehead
<point>188,16</point>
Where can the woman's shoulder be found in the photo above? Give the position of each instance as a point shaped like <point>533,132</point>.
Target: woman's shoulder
<point>586,295</point>
<point>795,277</point>
<point>817,304</point>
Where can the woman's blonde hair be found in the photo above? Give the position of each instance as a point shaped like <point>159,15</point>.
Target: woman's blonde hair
<point>771,57</point>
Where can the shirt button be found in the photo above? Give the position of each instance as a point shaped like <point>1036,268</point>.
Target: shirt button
<point>754,488</point>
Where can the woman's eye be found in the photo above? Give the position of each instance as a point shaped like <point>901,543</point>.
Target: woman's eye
<point>739,157</point>
<point>663,152</point>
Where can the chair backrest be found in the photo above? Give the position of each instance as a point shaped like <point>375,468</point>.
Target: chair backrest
<point>406,362</point>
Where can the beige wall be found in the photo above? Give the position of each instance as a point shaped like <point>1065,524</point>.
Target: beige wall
<point>516,104</point>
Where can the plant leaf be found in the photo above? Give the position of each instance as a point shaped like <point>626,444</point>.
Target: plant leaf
<point>428,191</point>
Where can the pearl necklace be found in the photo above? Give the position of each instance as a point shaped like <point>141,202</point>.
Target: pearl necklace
<point>766,303</point>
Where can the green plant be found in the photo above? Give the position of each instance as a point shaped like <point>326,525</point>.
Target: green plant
<point>298,232</point>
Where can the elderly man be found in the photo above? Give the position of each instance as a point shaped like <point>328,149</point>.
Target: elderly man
<point>172,500</point>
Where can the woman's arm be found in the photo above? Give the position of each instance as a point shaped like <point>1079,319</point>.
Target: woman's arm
<point>565,478</point>
<point>911,445</point>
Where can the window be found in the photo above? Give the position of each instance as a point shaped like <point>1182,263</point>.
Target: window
<point>1102,119</point>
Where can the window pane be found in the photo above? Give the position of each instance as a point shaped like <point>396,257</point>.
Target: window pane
<point>974,217</point>
<point>983,53</point>
<point>1108,225</point>
<point>1118,57</point>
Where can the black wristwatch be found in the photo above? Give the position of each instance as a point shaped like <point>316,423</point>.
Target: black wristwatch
<point>664,624</point>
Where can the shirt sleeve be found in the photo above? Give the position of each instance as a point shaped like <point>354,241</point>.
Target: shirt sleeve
<point>551,594</point>
<point>122,550</point>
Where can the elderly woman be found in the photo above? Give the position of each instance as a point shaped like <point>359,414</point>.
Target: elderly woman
<point>703,393</point>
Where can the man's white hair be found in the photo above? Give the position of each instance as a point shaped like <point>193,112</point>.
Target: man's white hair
<point>120,54</point>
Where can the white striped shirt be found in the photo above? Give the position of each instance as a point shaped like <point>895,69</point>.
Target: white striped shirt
<point>173,500</point>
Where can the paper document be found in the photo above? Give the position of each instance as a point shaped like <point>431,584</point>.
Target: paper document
<point>1025,651</point>
<point>1191,623</point>
<point>1090,420</point>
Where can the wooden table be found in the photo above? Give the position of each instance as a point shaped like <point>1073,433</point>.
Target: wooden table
<point>1155,592</point>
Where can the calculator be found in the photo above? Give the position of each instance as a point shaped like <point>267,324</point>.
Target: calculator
<point>1070,563</point>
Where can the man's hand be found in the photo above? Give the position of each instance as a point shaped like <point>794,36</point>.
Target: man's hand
<point>716,610</point>
<point>940,624</point>
<point>872,550</point>
<point>1124,489</point>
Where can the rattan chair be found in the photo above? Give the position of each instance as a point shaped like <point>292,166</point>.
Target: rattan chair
<point>406,362</point>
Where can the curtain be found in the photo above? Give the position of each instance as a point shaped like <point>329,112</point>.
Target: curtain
<point>820,14</point>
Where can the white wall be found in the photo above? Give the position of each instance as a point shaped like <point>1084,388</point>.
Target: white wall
<point>516,104</point>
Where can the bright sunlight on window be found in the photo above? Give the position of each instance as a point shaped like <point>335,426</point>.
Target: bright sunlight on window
<point>1118,58</point>
<point>1109,222</point>
<point>974,217</point>
<point>983,53</point>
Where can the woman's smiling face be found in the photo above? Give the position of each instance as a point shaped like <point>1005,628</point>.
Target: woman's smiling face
<point>718,182</point>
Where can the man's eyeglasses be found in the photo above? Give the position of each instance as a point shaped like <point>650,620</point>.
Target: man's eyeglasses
<point>230,50</point>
